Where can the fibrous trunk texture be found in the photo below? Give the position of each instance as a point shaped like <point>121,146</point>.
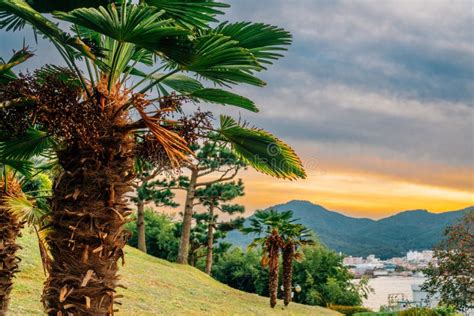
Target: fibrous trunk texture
<point>288,254</point>
<point>210,241</point>
<point>273,249</point>
<point>187,219</point>
<point>87,238</point>
<point>10,227</point>
<point>141,226</point>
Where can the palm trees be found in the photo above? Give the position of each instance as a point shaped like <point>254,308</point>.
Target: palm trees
<point>294,236</point>
<point>10,226</point>
<point>10,187</point>
<point>268,224</point>
<point>278,232</point>
<point>102,119</point>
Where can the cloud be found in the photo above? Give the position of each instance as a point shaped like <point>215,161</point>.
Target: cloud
<point>372,88</point>
<point>394,77</point>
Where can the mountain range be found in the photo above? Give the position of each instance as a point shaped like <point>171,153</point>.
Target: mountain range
<point>388,237</point>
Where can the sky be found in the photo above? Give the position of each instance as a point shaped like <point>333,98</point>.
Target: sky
<point>377,98</point>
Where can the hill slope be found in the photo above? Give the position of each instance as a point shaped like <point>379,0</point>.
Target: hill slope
<point>389,237</point>
<point>155,287</point>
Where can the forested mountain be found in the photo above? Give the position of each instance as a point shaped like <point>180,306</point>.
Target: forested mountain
<point>388,237</point>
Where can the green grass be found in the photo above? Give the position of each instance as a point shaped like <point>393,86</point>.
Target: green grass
<point>154,287</point>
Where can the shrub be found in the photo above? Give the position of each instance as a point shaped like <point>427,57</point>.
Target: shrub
<point>348,310</point>
<point>415,311</point>
<point>418,311</point>
<point>161,237</point>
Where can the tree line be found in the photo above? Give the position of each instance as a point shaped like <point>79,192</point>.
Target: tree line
<point>318,274</point>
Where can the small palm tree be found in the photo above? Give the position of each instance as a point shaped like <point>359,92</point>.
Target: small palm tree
<point>142,62</point>
<point>11,222</point>
<point>294,236</point>
<point>17,208</point>
<point>10,227</point>
<point>267,225</point>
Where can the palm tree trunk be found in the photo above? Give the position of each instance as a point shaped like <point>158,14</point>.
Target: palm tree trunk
<point>210,240</point>
<point>288,254</point>
<point>187,219</point>
<point>141,226</point>
<point>273,256</point>
<point>10,227</point>
<point>89,210</point>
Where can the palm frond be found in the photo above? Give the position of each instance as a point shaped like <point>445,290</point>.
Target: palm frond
<point>224,97</point>
<point>143,56</point>
<point>24,209</point>
<point>178,82</point>
<point>60,73</point>
<point>182,83</point>
<point>24,167</point>
<point>33,143</point>
<point>174,145</point>
<point>17,58</point>
<point>265,42</point>
<point>262,150</point>
<point>190,13</point>
<point>137,24</point>
<point>14,14</point>
<point>220,59</point>
<point>48,6</point>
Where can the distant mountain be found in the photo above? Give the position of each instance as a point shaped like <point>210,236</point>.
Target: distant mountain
<point>388,237</point>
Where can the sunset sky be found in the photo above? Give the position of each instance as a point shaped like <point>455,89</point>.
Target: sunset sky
<point>377,98</point>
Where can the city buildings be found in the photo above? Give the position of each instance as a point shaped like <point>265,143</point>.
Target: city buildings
<point>412,262</point>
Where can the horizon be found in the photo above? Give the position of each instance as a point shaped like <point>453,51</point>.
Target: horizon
<point>342,212</point>
<point>375,99</point>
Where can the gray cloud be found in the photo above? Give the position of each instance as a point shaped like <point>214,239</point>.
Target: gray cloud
<point>395,76</point>
<point>392,77</point>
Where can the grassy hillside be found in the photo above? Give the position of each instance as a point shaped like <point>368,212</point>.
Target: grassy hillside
<point>155,287</point>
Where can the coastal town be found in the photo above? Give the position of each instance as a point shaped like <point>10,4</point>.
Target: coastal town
<point>410,265</point>
<point>396,282</point>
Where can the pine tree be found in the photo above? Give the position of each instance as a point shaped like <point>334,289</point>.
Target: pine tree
<point>213,198</point>
<point>214,163</point>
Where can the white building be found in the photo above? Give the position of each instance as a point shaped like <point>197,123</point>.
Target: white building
<point>417,256</point>
<point>352,261</point>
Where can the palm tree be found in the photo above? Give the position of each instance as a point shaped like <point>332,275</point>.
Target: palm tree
<point>10,187</point>
<point>10,227</point>
<point>100,120</point>
<point>267,225</point>
<point>294,236</point>
<point>16,210</point>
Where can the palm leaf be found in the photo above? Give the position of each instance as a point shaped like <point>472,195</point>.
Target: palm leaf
<point>6,74</point>
<point>32,143</point>
<point>178,82</point>
<point>24,209</point>
<point>48,6</point>
<point>15,13</point>
<point>143,56</point>
<point>182,83</point>
<point>262,40</point>
<point>224,97</point>
<point>17,58</point>
<point>174,145</point>
<point>137,24</point>
<point>262,150</point>
<point>189,13</point>
<point>59,73</point>
<point>24,167</point>
<point>220,59</point>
